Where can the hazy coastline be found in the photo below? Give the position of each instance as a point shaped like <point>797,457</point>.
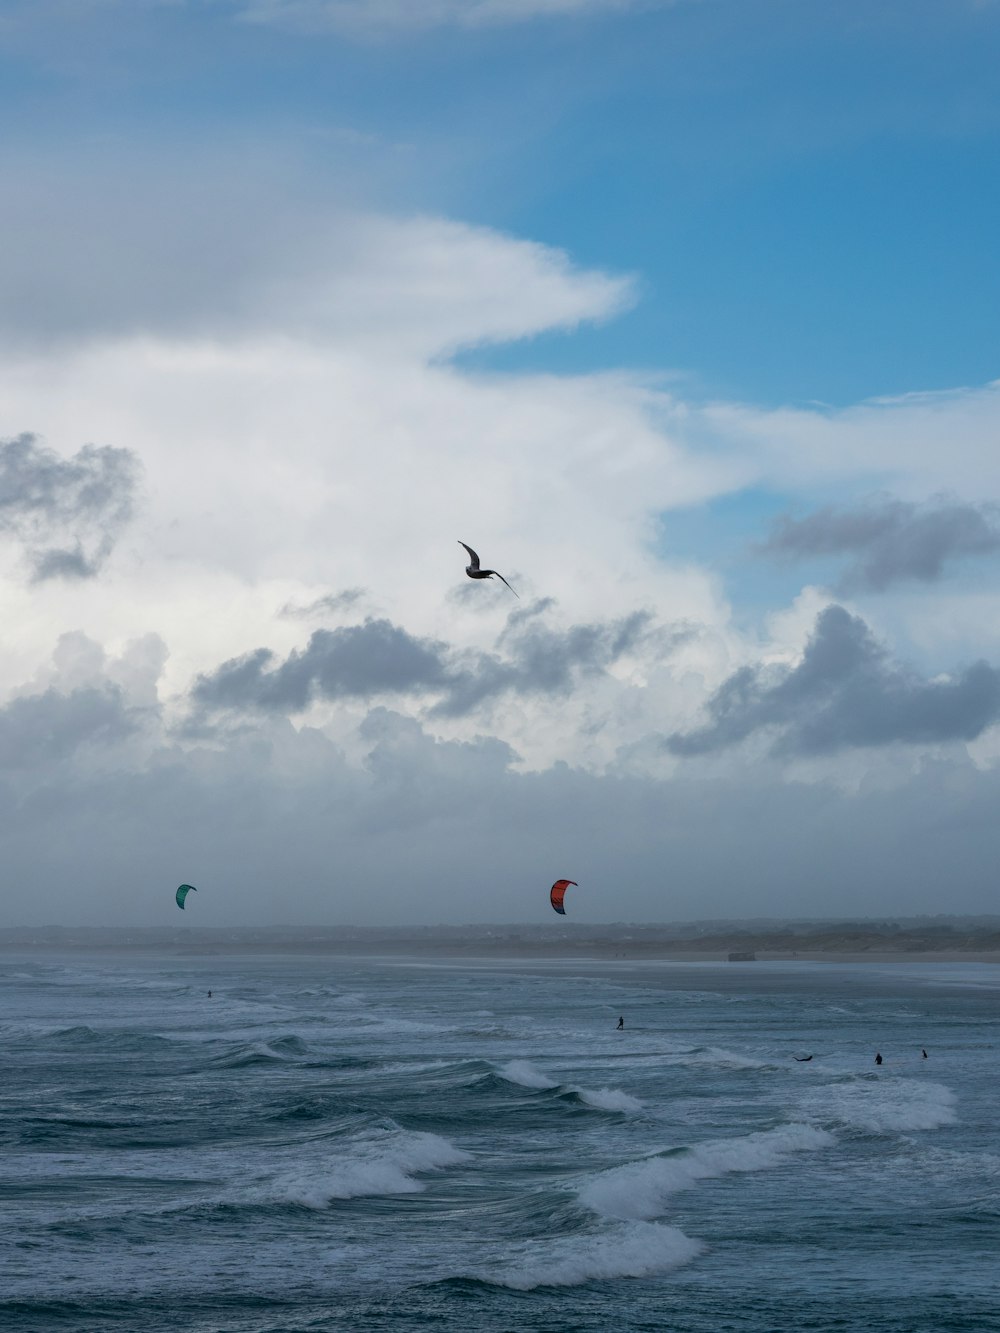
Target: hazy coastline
<point>956,940</point>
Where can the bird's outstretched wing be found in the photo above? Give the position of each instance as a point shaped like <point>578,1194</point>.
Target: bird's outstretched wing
<point>473,558</point>
<point>503,580</point>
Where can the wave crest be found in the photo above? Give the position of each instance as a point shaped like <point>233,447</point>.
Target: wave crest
<point>526,1075</point>
<point>882,1106</point>
<point>640,1189</point>
<point>377,1169</point>
<point>640,1249</point>
<point>608,1099</point>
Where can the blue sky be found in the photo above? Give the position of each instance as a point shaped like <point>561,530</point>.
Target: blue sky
<point>807,194</point>
<point>684,314</point>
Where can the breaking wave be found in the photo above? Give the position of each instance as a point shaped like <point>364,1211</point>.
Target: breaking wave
<point>525,1074</point>
<point>602,1099</point>
<point>639,1249</point>
<point>640,1189</point>
<point>277,1050</point>
<point>374,1169</point>
<point>882,1106</point>
<point>608,1099</point>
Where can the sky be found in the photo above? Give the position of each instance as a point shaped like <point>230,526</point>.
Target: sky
<point>682,313</point>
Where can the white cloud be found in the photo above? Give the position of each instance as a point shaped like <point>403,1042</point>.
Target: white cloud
<point>339,449</point>
<point>203,250</point>
<point>913,446</point>
<point>428,286</point>
<point>279,472</point>
<point>302,432</point>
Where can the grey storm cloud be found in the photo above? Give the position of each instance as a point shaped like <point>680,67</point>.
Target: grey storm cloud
<point>891,541</point>
<point>377,658</point>
<point>846,692</point>
<point>356,661</point>
<point>540,660</point>
<point>67,512</point>
<point>331,604</point>
<point>43,728</point>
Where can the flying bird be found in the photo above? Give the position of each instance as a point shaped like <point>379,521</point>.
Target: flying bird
<point>474,572</point>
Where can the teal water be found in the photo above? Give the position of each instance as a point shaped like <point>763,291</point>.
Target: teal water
<point>367,1145</point>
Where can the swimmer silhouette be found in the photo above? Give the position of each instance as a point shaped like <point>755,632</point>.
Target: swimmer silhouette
<point>621,1023</point>
<point>878,1058</point>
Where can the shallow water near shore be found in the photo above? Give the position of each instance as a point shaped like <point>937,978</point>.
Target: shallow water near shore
<point>356,1145</point>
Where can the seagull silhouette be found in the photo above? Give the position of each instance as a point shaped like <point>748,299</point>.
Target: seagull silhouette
<point>474,572</point>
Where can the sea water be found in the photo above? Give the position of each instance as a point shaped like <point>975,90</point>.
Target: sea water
<point>330,1144</point>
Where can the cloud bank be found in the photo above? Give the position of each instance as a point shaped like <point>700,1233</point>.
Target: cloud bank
<point>845,692</point>
<point>892,541</point>
<point>171,254</point>
<point>377,659</point>
<point>278,823</point>
<point>305,434</point>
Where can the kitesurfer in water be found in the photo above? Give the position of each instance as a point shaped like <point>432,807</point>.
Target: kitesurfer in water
<point>878,1057</point>
<point>209,994</point>
<point>923,1053</point>
<point>621,1023</point>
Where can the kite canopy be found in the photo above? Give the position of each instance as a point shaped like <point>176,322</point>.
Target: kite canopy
<point>558,892</point>
<point>183,892</point>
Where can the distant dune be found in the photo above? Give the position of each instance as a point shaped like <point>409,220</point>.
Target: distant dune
<point>953,937</point>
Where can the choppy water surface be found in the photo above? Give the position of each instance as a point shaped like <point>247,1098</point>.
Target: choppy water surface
<point>341,1145</point>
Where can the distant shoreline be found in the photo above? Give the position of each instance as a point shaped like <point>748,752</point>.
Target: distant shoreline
<point>807,943</point>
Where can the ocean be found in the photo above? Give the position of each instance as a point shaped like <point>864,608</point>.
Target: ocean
<point>372,1144</point>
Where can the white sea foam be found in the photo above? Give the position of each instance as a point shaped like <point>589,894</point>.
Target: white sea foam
<point>640,1249</point>
<point>413,1067</point>
<point>386,1167</point>
<point>883,1105</point>
<point>603,1099</point>
<point>715,1056</point>
<point>520,1071</point>
<point>387,1023</point>
<point>640,1189</point>
<point>608,1099</point>
<point>31,1029</point>
<point>256,1012</point>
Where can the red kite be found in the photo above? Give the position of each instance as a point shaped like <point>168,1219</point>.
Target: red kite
<point>558,892</point>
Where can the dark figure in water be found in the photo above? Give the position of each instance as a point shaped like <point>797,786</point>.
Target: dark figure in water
<point>621,1023</point>
<point>802,1058</point>
<point>209,994</point>
<point>923,1053</point>
<point>878,1058</point>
